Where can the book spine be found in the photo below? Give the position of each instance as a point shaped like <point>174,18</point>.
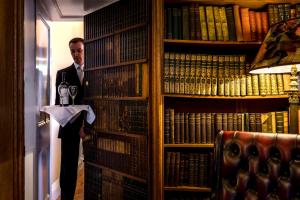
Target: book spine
<point>198,75</point>
<point>192,74</point>
<point>237,22</point>
<point>203,75</point>
<point>214,81</point>
<point>245,20</point>
<point>208,75</point>
<point>224,23</point>
<point>172,73</point>
<point>232,75</point>
<point>210,23</point>
<point>203,23</point>
<point>227,76</point>
<point>221,79</point>
<point>185,23</point>
<point>243,76</point>
<point>177,74</point>
<point>182,74</point>
<point>187,73</point>
<point>218,23</point>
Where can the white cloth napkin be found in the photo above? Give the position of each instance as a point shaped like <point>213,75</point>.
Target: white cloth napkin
<point>64,114</point>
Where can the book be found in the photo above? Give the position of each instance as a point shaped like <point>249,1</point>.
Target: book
<point>221,80</point>
<point>253,30</point>
<point>230,23</point>
<point>243,81</point>
<point>237,22</point>
<point>187,74</point>
<point>280,86</point>
<point>177,139</point>
<point>167,126</point>
<point>224,25</point>
<point>192,128</point>
<point>279,122</point>
<point>192,79</point>
<point>182,74</point>
<point>177,73</point>
<point>210,23</point>
<point>203,23</point>
<point>203,75</point>
<point>169,23</point>
<point>172,126</point>
<point>208,81</point>
<point>197,22</point>
<point>172,73</point>
<point>227,76</point>
<point>245,21</point>
<point>185,23</point>
<point>214,78</point>
<point>192,21</point>
<point>237,76</point>
<point>218,23</point>
<point>198,75</point>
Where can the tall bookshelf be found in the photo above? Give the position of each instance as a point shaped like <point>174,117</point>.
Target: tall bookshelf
<point>117,88</point>
<point>179,110</point>
<point>127,51</point>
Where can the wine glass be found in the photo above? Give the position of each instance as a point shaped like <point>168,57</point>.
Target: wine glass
<point>73,92</point>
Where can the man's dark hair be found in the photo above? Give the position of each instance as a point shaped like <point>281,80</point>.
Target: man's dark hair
<point>75,40</point>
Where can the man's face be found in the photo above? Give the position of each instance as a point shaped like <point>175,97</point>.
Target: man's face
<point>77,52</point>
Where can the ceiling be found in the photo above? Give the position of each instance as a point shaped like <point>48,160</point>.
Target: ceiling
<point>70,10</point>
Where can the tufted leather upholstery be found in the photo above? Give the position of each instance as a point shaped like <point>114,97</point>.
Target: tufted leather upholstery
<point>258,166</point>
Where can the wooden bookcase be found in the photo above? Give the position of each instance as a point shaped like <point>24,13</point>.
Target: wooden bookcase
<point>117,87</point>
<point>196,103</point>
<point>125,63</point>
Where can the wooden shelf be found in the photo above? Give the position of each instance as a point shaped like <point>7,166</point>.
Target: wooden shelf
<point>115,171</point>
<point>119,133</point>
<point>214,44</point>
<point>116,65</point>
<point>188,145</point>
<point>115,32</point>
<point>117,98</point>
<point>187,189</point>
<point>246,3</point>
<point>225,97</point>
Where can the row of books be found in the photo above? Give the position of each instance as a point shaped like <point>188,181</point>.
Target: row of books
<point>121,116</point>
<point>220,75</point>
<point>125,47</point>
<point>123,81</point>
<point>210,22</point>
<point>115,17</point>
<point>92,182</point>
<point>187,169</point>
<point>134,44</point>
<point>200,128</point>
<point>100,53</point>
<point>104,184</point>
<point>282,11</point>
<point>187,196</point>
<point>133,189</point>
<point>123,153</point>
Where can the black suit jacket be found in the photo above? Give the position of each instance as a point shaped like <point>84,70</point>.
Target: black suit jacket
<point>71,77</point>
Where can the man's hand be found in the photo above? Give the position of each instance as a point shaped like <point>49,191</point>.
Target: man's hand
<point>82,133</point>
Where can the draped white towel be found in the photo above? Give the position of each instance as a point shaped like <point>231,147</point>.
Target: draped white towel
<point>64,114</point>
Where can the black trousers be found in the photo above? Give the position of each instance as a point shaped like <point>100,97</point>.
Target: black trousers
<point>70,141</point>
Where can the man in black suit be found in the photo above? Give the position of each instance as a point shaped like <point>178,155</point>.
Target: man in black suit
<point>71,133</point>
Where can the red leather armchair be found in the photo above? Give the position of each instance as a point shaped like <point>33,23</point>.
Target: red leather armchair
<point>258,166</point>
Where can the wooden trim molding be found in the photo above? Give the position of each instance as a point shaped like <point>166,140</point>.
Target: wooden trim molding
<point>11,102</point>
<point>156,99</point>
